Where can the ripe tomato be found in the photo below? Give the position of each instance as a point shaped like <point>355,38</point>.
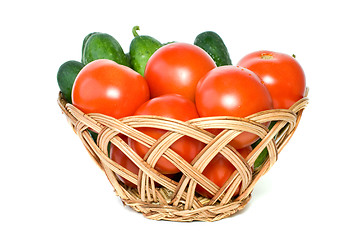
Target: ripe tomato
<point>119,157</point>
<point>106,87</point>
<point>219,170</point>
<point>245,151</point>
<point>281,73</point>
<point>177,68</point>
<point>232,91</point>
<point>176,107</point>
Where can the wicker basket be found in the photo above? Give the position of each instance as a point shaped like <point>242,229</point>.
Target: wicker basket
<point>177,200</point>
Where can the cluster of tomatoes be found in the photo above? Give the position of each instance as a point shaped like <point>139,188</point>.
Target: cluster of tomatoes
<point>181,81</point>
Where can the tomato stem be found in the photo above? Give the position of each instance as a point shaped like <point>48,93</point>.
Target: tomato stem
<point>134,31</point>
<point>266,56</point>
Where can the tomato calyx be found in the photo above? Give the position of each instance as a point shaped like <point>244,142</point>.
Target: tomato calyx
<point>266,56</point>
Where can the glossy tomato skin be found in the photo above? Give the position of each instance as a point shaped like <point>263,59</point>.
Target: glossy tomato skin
<point>281,73</point>
<point>171,106</point>
<point>219,170</point>
<point>103,86</point>
<point>232,91</point>
<point>177,68</point>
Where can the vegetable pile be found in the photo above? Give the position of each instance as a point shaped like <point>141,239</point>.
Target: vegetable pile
<point>181,81</point>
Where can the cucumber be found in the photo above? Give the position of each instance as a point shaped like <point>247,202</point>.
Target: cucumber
<point>264,154</point>
<point>141,49</point>
<point>66,76</point>
<point>84,44</point>
<point>94,136</point>
<point>103,46</point>
<point>213,44</point>
<point>128,60</point>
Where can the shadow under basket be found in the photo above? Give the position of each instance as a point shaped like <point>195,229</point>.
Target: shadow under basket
<point>161,198</point>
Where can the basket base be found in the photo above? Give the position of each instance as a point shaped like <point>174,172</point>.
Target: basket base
<point>172,213</point>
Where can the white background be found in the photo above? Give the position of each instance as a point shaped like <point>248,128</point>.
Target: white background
<point>51,189</point>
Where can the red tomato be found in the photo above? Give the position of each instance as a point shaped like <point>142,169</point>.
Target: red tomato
<point>176,107</point>
<point>245,151</point>
<point>281,73</point>
<point>119,157</point>
<point>177,68</point>
<point>232,91</point>
<point>219,170</point>
<point>106,87</point>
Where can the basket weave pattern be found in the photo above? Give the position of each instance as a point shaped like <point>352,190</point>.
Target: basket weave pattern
<point>177,200</point>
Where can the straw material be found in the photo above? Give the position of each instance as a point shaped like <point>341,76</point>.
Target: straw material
<point>177,200</point>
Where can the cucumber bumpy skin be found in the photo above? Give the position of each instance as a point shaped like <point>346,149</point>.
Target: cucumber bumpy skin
<point>141,49</point>
<point>103,46</point>
<point>213,44</point>
<point>66,76</point>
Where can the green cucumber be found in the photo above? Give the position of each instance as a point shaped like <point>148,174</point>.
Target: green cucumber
<point>84,44</point>
<point>264,154</point>
<point>94,136</point>
<point>128,60</point>
<point>66,76</point>
<point>213,44</point>
<point>141,49</point>
<point>102,46</point>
